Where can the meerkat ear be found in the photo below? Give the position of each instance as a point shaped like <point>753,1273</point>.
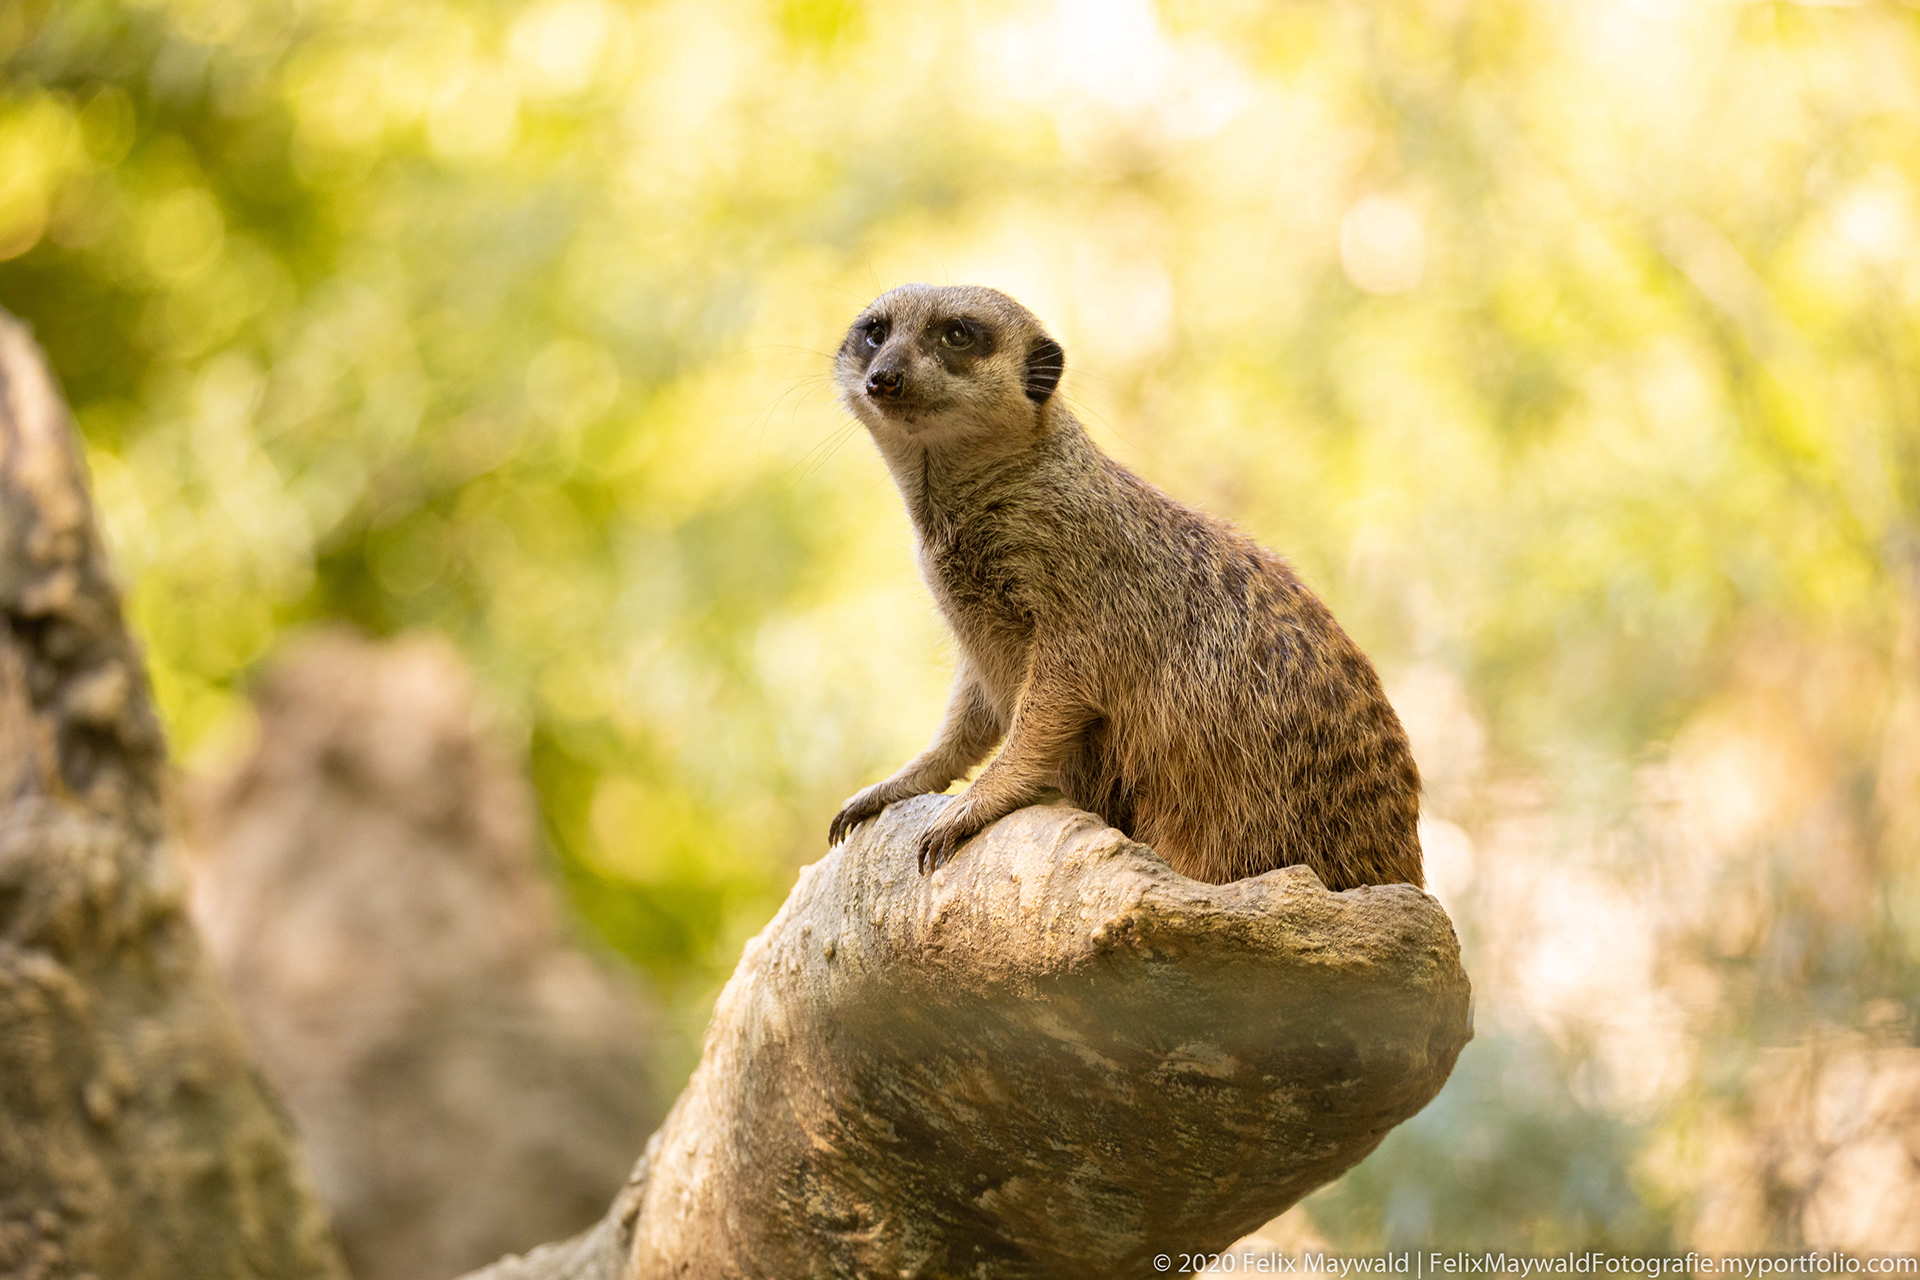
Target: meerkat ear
<point>1045,363</point>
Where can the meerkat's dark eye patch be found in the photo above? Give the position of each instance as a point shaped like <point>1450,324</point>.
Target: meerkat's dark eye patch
<point>1045,363</point>
<point>959,334</point>
<point>875,331</point>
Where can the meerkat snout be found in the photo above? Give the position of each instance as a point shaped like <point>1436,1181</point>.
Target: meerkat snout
<point>887,384</point>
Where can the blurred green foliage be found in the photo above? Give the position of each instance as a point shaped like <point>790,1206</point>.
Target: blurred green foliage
<point>1569,349</point>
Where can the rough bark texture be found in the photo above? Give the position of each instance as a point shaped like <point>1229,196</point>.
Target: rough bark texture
<point>1054,1057</point>
<point>368,881</point>
<point>136,1139</point>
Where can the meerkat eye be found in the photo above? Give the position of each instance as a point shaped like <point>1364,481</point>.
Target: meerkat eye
<point>958,334</point>
<point>875,331</point>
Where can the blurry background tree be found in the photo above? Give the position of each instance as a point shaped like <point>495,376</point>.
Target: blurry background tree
<point>1569,349</point>
<point>369,885</point>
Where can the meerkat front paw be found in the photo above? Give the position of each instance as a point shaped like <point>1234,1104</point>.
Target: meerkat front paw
<point>939,842</point>
<point>861,806</point>
<point>854,812</point>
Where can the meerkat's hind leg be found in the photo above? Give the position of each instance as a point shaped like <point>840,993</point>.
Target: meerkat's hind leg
<point>967,732</point>
<point>1091,779</point>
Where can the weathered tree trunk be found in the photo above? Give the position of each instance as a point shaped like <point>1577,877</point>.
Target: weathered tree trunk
<point>1054,1057</point>
<point>136,1140</point>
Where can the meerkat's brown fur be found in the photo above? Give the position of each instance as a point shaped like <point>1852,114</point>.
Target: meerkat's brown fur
<point>1154,664</point>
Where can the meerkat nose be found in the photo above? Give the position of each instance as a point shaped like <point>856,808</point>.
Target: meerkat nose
<point>886,382</point>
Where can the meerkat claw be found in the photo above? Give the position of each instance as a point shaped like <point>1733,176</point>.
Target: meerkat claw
<point>937,847</point>
<point>843,825</point>
<point>861,806</point>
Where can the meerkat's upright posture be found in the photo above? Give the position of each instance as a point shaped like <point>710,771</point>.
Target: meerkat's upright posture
<point>1155,665</point>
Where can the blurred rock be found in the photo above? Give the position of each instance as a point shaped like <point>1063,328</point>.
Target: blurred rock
<point>466,1080</point>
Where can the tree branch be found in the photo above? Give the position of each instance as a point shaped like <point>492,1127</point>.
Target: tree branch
<point>1054,1057</point>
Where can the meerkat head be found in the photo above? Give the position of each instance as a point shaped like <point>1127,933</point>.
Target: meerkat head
<point>946,366</point>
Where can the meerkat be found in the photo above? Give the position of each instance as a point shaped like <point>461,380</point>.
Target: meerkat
<point>1152,663</point>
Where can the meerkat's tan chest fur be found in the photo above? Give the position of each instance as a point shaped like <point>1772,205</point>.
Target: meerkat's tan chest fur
<point>1158,667</point>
